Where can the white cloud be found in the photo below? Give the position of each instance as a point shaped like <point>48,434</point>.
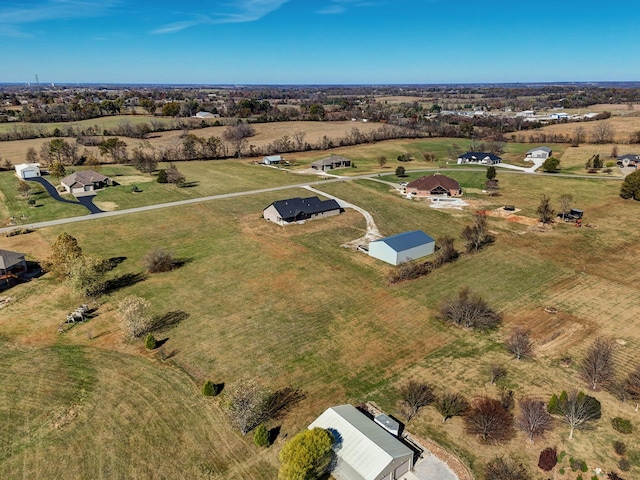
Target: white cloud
<point>13,17</point>
<point>336,7</point>
<point>239,11</point>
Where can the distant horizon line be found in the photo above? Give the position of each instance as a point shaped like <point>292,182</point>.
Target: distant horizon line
<point>45,84</point>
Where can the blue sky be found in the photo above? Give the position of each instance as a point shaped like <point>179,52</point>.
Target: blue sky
<point>318,41</point>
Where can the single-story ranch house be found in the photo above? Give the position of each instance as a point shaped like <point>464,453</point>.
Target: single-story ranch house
<point>364,450</point>
<point>85,181</point>
<point>27,170</point>
<point>12,264</point>
<point>540,152</point>
<point>403,247</point>
<point>434,185</point>
<point>296,209</point>
<point>479,157</point>
<point>329,163</point>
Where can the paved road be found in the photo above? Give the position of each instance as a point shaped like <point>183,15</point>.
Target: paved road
<point>371,176</point>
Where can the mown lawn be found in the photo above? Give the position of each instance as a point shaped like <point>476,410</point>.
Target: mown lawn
<point>291,307</point>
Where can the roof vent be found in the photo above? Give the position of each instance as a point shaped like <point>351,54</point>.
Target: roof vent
<point>388,423</point>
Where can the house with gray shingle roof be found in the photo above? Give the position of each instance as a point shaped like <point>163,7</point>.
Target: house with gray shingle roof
<point>329,163</point>
<point>85,181</point>
<point>539,152</point>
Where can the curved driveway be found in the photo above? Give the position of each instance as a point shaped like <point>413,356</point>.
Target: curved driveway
<point>85,201</point>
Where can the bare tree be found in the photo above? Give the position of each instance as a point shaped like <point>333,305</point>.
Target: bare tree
<point>415,395</point>
<point>447,252</point>
<point>566,200</point>
<point>469,310</point>
<point>576,409</point>
<point>497,372</point>
<point>174,175</point>
<point>298,138</point>
<point>159,260</point>
<point>632,385</point>
<point>545,212</point>
<point>578,136</point>
<point>519,343</point>
<point>614,151</point>
<point>501,468</point>
<point>382,160</point>
<point>597,366</point>
<point>489,421</point>
<point>246,404</point>
<point>451,405</point>
<point>134,316</point>
<point>237,136</point>
<point>477,234</point>
<point>602,133</point>
<point>533,418</point>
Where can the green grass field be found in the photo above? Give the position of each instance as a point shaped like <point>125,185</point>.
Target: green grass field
<point>291,307</point>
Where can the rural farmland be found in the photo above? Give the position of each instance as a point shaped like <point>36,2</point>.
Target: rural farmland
<point>289,307</point>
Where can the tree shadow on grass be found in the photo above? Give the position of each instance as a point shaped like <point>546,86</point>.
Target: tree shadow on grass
<point>113,262</point>
<point>168,320</point>
<point>189,184</point>
<point>273,434</point>
<point>126,280</point>
<point>282,401</point>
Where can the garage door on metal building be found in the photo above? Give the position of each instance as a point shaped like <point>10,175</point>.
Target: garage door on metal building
<point>402,469</point>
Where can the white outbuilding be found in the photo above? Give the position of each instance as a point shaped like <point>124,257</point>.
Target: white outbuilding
<point>403,247</point>
<point>27,170</point>
<point>364,450</point>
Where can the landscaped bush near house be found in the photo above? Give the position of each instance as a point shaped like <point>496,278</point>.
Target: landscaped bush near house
<point>622,425</point>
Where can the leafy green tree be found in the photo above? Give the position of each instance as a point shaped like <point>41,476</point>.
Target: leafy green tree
<point>86,275</point>
<point>491,173</point>
<point>631,186</point>
<point>261,436</point>
<point>162,176</point>
<point>306,456</point>
<point>551,165</point>
<point>400,171</point>
<point>171,109</point>
<point>149,105</point>
<point>57,169</point>
<point>114,148</point>
<point>317,112</point>
<point>576,409</point>
<point>65,251</point>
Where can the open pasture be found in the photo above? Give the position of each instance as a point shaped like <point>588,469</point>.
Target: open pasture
<point>291,307</point>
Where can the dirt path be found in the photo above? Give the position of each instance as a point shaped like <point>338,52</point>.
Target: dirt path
<point>372,230</point>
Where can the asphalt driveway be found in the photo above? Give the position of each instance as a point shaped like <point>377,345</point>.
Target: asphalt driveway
<point>86,201</point>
